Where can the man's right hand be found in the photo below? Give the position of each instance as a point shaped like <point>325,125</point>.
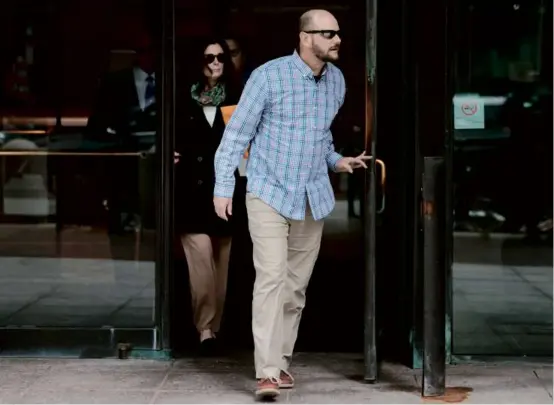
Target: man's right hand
<point>223,207</point>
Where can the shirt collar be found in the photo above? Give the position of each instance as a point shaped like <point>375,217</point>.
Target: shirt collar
<point>303,67</point>
<point>141,74</point>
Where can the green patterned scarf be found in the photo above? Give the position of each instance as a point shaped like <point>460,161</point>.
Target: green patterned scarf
<point>212,97</point>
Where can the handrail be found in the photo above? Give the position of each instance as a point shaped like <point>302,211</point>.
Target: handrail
<point>26,131</point>
<point>48,121</point>
<point>56,153</point>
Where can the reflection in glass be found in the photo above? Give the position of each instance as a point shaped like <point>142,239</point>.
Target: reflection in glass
<point>503,183</point>
<point>77,228</point>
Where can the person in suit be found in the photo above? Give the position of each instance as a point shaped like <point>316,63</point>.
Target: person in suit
<point>124,118</point>
<point>206,239</point>
<point>125,105</point>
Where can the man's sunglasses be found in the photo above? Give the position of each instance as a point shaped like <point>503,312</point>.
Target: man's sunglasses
<point>210,57</point>
<point>328,34</point>
<point>234,52</point>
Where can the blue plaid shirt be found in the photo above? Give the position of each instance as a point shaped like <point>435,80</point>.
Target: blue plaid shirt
<point>285,115</point>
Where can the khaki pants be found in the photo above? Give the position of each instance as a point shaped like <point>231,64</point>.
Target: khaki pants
<point>285,252</point>
<point>208,262</point>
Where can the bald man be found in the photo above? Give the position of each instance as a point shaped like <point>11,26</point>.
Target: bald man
<point>285,113</point>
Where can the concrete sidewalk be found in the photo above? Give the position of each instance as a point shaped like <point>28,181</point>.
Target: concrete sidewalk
<point>321,378</point>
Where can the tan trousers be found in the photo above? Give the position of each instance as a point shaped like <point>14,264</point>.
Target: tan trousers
<point>285,252</point>
<point>208,262</point>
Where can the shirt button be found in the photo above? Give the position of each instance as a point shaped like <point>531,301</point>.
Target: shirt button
<point>200,182</point>
<point>199,158</point>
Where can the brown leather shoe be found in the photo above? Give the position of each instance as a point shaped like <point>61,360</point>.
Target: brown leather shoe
<point>267,388</point>
<point>286,380</point>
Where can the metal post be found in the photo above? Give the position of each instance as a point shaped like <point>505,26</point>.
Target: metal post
<point>164,185</point>
<point>370,214</point>
<point>434,277</point>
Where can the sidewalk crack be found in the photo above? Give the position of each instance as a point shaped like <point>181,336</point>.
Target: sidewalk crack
<point>542,383</point>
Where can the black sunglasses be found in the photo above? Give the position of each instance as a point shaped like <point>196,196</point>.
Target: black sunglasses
<point>210,57</point>
<point>327,34</point>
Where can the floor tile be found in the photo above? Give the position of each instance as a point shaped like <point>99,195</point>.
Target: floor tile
<point>206,397</point>
<point>99,365</point>
<point>208,381</point>
<point>86,396</point>
<point>107,378</point>
<point>370,395</point>
<point>11,396</point>
<point>544,374</point>
<point>17,379</point>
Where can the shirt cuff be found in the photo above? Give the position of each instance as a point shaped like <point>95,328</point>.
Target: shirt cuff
<point>333,159</point>
<point>224,190</point>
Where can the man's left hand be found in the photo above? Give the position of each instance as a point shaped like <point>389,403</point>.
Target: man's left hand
<point>348,164</point>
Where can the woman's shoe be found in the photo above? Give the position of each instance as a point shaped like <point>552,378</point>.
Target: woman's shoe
<point>208,344</point>
<point>208,347</point>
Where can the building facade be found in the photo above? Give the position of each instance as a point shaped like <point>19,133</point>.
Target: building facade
<point>89,260</point>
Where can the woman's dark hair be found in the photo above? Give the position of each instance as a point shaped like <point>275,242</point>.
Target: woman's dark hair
<point>199,63</point>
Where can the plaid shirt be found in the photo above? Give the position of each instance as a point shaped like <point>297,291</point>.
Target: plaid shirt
<point>285,115</point>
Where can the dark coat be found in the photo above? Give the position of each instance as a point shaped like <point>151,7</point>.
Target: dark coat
<point>197,143</point>
<point>117,107</point>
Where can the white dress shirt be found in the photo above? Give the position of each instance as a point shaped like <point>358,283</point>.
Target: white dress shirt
<point>140,84</point>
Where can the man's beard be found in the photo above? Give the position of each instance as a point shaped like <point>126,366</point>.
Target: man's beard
<point>326,56</point>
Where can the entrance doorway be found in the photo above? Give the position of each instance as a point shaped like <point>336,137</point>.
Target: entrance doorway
<point>342,291</point>
<point>115,237</point>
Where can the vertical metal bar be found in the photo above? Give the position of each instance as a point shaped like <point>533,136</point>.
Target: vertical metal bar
<point>417,287</point>
<point>452,18</point>
<point>370,343</point>
<point>164,188</point>
<point>370,208</point>
<point>434,280</point>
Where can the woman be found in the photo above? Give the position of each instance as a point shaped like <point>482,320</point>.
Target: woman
<point>206,239</point>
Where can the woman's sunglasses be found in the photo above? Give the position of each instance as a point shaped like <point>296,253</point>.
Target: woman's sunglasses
<point>327,34</point>
<point>210,57</point>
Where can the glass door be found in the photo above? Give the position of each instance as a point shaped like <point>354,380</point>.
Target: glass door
<point>78,223</point>
<point>502,179</point>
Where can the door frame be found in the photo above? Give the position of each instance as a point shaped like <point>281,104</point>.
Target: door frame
<point>370,191</point>
<point>407,330</point>
<point>165,182</point>
<point>409,119</point>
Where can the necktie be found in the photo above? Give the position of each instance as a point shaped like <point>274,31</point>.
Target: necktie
<point>150,93</point>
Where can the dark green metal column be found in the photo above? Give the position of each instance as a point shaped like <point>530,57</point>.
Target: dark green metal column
<point>164,188</point>
<point>434,277</point>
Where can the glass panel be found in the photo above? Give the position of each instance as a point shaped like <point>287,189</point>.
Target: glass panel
<point>78,120</point>
<point>503,179</point>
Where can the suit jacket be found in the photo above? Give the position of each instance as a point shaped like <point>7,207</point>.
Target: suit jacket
<point>117,108</point>
<point>197,143</point>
